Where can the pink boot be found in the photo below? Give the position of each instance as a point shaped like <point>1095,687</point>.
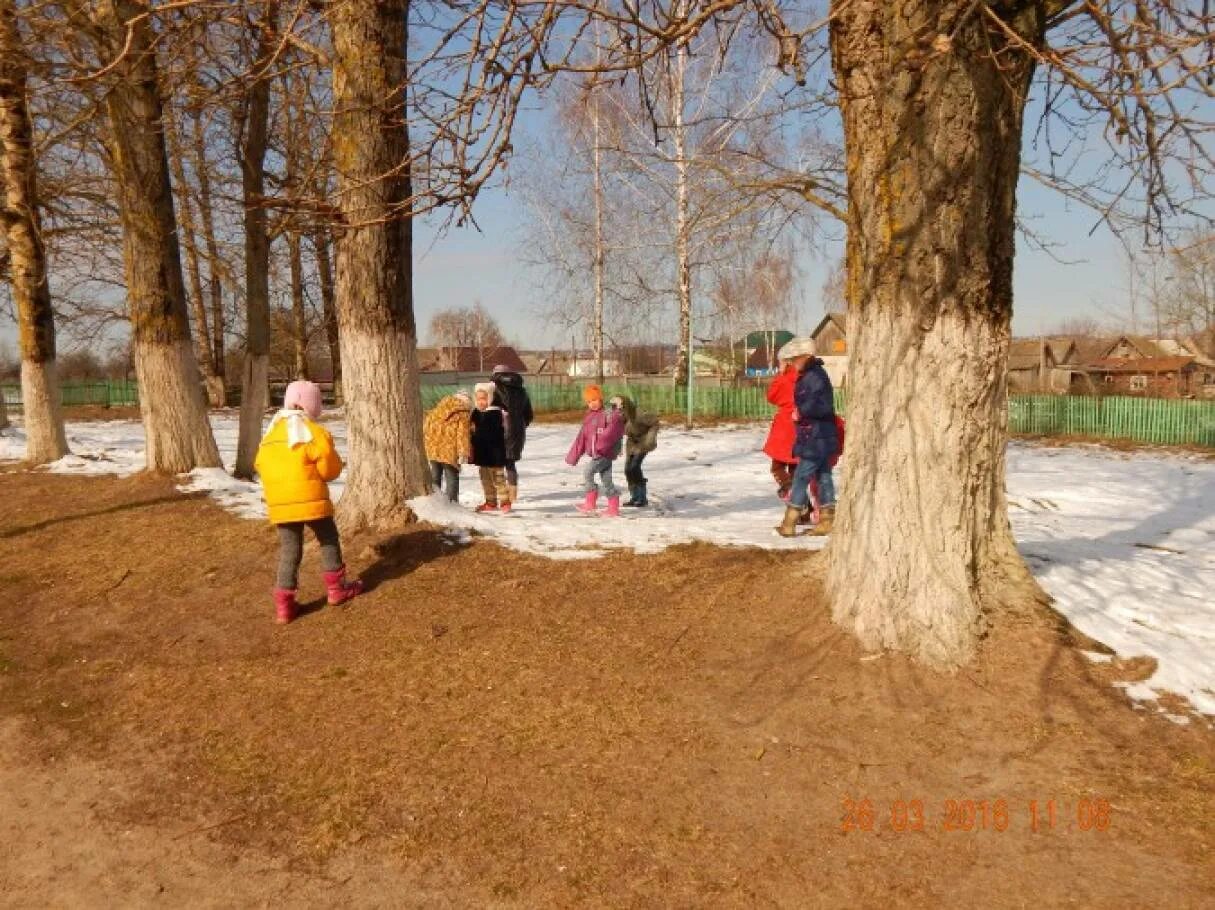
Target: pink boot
<point>613,509</point>
<point>284,605</point>
<point>341,590</point>
<point>587,506</point>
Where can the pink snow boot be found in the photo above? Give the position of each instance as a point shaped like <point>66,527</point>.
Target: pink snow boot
<point>341,590</point>
<point>284,605</point>
<point>613,509</point>
<point>587,506</point>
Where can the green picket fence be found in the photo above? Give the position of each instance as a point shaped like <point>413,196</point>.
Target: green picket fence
<point>107,393</point>
<point>1151,420</point>
<point>1156,420</point>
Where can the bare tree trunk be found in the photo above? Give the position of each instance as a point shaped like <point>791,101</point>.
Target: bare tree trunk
<point>189,241</point>
<point>597,177</point>
<point>683,256</point>
<point>374,264</point>
<point>178,435</point>
<point>45,438</point>
<point>299,316</point>
<point>217,380</point>
<point>923,551</point>
<point>324,271</point>
<point>255,374</point>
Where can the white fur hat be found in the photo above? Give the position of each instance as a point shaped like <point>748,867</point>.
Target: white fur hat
<point>802,346</point>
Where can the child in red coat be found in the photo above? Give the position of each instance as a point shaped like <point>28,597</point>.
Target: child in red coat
<point>783,432</point>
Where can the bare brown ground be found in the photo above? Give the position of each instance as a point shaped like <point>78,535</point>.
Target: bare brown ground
<point>491,728</point>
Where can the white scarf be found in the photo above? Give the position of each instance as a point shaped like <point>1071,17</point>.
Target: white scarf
<point>297,427</point>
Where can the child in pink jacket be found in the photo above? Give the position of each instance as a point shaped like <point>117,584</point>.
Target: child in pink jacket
<point>599,439</point>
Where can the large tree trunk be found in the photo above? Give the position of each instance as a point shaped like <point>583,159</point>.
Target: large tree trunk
<point>324,272</point>
<point>922,551</point>
<point>255,374</point>
<point>374,264</point>
<point>45,439</point>
<point>178,435</point>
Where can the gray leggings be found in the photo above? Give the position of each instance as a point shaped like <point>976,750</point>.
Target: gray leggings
<point>291,549</point>
<point>602,467</point>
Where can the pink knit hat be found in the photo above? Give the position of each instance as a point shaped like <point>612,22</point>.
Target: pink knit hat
<point>304,395</point>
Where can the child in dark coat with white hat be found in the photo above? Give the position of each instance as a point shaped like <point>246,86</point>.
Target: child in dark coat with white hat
<point>488,422</point>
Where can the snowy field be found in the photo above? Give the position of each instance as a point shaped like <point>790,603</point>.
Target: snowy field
<point>1124,542</point>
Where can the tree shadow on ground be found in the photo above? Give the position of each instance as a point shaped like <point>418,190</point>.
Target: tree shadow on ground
<point>399,555</point>
<point>96,513</point>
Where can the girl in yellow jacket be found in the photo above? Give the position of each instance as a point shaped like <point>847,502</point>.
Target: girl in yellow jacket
<point>296,461</point>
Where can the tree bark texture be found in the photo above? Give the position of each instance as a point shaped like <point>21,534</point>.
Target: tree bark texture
<point>922,551</point>
<point>45,439</point>
<point>178,434</point>
<point>255,372</point>
<point>374,264</point>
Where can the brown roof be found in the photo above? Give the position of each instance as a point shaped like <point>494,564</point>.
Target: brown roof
<point>839,319</point>
<point>1089,349</point>
<point>470,360</point>
<point>1024,353</point>
<point>1142,364</point>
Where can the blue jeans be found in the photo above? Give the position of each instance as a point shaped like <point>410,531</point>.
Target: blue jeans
<point>602,467</point>
<point>808,467</point>
<point>826,488</point>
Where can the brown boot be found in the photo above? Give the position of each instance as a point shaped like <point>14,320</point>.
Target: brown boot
<point>788,525</point>
<point>825,522</point>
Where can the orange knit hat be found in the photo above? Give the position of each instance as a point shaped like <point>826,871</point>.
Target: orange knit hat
<point>591,393</point>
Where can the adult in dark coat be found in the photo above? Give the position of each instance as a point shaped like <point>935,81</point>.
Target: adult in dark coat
<point>817,436</point>
<point>518,407</point>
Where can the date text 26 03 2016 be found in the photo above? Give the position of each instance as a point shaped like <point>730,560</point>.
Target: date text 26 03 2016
<point>905,816</point>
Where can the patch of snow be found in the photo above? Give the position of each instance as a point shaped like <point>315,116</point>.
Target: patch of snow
<point>1124,542</point>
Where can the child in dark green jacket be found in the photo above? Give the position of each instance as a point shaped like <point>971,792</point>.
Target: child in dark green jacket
<point>641,438</point>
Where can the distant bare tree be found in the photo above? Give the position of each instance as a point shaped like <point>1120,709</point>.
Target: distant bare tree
<point>465,327</point>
